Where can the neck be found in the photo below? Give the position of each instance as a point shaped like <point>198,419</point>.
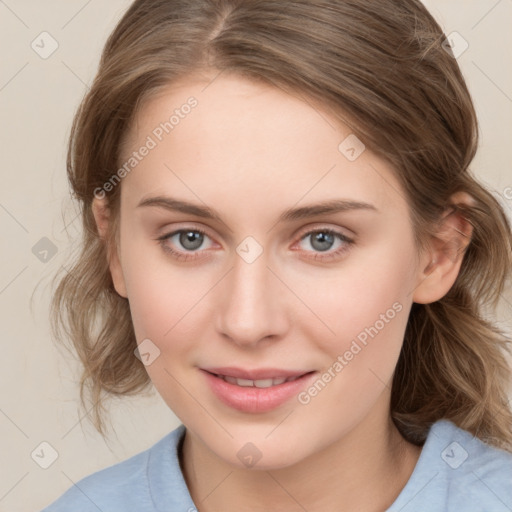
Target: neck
<point>364,470</point>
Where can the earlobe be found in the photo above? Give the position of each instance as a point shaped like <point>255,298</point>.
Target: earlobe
<point>441,265</point>
<point>101,214</point>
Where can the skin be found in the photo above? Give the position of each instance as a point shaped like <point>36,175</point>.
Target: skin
<point>250,151</point>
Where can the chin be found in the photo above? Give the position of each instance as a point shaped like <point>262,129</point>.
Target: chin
<point>259,454</point>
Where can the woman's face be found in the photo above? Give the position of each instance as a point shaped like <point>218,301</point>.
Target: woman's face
<point>263,283</point>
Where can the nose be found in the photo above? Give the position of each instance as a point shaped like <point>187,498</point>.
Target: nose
<point>251,309</point>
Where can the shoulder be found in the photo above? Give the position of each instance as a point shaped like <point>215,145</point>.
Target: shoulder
<point>123,486</point>
<point>476,472</point>
<point>458,472</point>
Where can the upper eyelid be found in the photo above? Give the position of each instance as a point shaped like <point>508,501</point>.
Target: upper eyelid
<point>308,231</point>
<point>302,231</point>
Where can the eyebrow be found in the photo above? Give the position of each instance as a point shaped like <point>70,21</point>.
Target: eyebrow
<point>303,212</point>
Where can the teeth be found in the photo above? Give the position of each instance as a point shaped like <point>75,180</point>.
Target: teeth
<point>244,382</point>
<point>262,383</point>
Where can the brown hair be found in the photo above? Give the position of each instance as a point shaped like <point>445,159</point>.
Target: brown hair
<point>380,67</point>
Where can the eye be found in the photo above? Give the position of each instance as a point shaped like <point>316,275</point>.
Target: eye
<point>187,241</point>
<point>323,240</point>
<point>190,243</point>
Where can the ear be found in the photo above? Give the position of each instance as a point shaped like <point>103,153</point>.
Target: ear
<point>440,265</point>
<point>101,214</point>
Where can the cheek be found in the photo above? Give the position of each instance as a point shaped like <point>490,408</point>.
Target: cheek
<point>166,308</point>
<point>365,304</point>
<point>368,316</point>
<point>166,300</point>
<point>163,306</point>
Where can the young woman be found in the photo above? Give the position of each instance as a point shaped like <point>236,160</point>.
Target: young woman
<point>281,234</point>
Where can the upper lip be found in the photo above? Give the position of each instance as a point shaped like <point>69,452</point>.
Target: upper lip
<point>255,374</point>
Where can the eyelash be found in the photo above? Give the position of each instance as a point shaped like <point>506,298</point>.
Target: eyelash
<point>318,256</point>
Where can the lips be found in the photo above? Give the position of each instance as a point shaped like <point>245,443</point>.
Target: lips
<point>255,391</point>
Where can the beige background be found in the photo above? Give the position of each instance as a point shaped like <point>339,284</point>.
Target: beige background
<point>38,400</point>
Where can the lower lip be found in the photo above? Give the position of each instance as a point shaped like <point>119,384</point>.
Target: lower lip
<point>253,399</point>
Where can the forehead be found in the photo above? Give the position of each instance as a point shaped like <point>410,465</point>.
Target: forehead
<point>234,106</point>
<point>233,138</point>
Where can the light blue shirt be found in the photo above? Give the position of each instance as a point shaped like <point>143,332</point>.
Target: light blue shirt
<point>455,472</point>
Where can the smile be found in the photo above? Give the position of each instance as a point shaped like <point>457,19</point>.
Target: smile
<point>256,391</point>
